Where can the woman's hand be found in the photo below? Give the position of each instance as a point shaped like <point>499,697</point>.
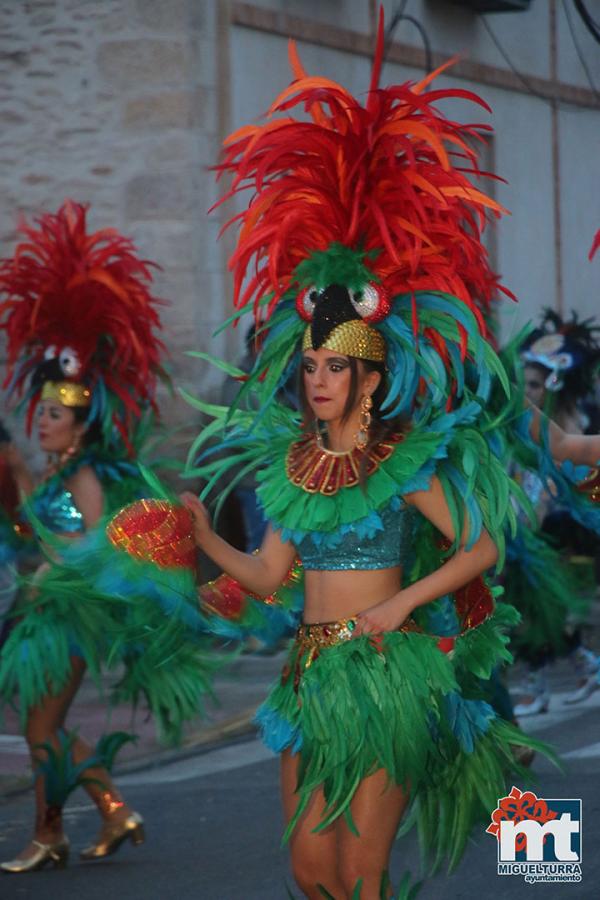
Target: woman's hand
<point>386,616</point>
<point>11,455</point>
<point>13,458</point>
<point>199,513</point>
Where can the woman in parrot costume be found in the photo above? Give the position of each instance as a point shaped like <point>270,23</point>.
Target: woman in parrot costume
<point>84,355</point>
<point>360,259</point>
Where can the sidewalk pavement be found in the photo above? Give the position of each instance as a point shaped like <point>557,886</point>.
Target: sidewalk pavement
<point>239,691</point>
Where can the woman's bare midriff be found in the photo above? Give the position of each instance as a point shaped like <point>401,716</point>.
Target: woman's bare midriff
<point>331,595</point>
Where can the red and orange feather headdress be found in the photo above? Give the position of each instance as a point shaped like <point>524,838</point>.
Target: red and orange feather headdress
<point>84,298</point>
<point>390,177</point>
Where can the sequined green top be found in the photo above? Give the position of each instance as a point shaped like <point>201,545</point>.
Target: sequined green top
<point>385,542</point>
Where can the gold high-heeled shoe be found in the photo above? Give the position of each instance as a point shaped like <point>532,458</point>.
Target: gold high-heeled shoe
<point>57,854</point>
<point>112,836</point>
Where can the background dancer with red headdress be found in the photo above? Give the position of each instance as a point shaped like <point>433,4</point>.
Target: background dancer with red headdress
<point>81,324</point>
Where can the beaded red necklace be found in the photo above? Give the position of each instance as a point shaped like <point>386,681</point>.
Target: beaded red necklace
<point>317,470</point>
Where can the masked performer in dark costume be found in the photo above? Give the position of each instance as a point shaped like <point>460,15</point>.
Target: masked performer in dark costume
<point>560,361</point>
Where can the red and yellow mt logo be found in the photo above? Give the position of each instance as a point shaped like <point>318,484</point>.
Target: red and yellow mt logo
<point>517,807</point>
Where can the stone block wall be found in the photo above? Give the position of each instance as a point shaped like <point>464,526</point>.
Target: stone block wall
<point>114,103</point>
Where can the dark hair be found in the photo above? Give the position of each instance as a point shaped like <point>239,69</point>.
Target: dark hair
<point>556,403</point>
<point>381,428</point>
<point>93,432</point>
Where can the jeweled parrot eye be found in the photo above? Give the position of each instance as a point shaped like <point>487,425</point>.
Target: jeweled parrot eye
<point>69,362</point>
<point>564,360</point>
<point>371,302</point>
<point>50,352</point>
<point>306,302</point>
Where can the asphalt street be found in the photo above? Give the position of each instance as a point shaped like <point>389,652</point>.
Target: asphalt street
<point>214,827</point>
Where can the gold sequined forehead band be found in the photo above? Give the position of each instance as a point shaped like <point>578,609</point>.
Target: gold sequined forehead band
<point>353,338</point>
<point>67,393</point>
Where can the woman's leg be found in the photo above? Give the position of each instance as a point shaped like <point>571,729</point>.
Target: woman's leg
<point>377,808</point>
<point>313,856</point>
<point>105,794</point>
<point>43,726</point>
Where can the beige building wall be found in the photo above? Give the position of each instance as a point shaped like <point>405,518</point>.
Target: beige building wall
<point>123,104</point>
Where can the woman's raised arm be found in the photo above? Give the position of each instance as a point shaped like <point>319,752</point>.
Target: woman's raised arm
<point>580,449</point>
<point>20,472</point>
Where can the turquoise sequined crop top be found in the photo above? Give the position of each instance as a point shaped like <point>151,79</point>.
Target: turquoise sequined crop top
<point>388,544</point>
<point>55,507</point>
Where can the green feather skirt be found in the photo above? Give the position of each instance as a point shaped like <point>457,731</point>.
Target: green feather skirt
<point>156,660</point>
<point>392,702</point>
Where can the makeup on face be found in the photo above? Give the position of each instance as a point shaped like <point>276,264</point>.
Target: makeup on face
<point>534,385</point>
<point>56,426</point>
<point>326,382</point>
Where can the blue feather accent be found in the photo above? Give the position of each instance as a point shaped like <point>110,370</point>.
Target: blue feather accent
<point>125,581</point>
<point>365,528</point>
<point>276,732</point>
<point>441,617</point>
<point>469,719</point>
<point>457,367</point>
<point>270,625</point>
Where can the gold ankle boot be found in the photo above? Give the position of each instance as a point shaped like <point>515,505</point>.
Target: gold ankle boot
<point>57,854</point>
<point>112,835</point>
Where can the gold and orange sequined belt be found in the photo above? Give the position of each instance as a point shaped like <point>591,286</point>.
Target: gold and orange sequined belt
<point>312,638</point>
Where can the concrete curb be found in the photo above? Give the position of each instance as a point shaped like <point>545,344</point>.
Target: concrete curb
<point>230,731</point>
<point>233,730</point>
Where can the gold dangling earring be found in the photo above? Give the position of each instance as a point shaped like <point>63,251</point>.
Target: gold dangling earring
<point>71,451</point>
<point>361,438</point>
<point>75,447</point>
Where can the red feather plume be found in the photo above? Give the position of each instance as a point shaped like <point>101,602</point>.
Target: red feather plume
<point>90,292</point>
<point>390,177</point>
